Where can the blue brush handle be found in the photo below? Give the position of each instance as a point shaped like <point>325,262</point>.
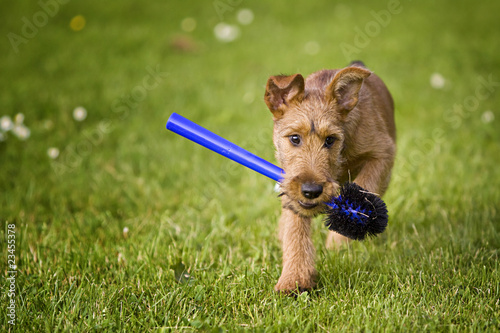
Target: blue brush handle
<point>194,132</point>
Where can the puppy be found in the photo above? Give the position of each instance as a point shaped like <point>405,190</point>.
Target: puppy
<point>335,126</point>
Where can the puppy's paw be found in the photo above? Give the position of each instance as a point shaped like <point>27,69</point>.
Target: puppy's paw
<point>292,284</point>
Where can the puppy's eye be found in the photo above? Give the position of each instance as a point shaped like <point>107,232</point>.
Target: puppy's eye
<point>329,141</point>
<point>295,139</point>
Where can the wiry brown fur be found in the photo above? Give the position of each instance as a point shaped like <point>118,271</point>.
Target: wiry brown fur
<point>352,105</point>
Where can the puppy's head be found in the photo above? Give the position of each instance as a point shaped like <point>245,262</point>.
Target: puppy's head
<point>309,126</point>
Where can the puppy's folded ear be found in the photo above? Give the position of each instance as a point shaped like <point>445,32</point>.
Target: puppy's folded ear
<point>344,88</point>
<point>281,91</point>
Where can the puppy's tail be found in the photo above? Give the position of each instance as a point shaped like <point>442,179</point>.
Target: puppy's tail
<point>357,63</point>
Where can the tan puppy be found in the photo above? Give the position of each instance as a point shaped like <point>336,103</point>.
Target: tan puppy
<point>335,126</point>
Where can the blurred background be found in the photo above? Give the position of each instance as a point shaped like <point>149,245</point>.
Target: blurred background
<point>86,87</point>
<point>91,86</point>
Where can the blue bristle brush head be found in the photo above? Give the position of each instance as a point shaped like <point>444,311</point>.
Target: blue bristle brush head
<point>356,213</point>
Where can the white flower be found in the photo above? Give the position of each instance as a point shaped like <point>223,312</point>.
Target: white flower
<point>79,113</point>
<point>6,123</point>
<point>245,16</point>
<point>226,32</point>
<point>488,116</point>
<point>53,152</point>
<point>437,81</point>
<point>21,131</point>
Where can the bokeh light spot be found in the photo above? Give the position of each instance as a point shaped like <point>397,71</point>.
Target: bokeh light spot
<point>53,152</point>
<point>77,23</point>
<point>437,81</point>
<point>312,47</point>
<point>188,24</point>
<point>79,113</point>
<point>245,16</point>
<point>488,116</point>
<point>226,32</point>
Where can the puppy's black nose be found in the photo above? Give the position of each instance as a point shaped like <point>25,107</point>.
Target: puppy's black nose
<point>311,190</point>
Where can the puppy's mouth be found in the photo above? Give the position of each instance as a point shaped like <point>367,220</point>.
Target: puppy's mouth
<point>297,202</point>
<point>308,205</point>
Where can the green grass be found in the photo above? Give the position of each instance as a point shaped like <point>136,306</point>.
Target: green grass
<point>201,252</point>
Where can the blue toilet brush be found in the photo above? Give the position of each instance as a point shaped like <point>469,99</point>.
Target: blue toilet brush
<point>354,213</point>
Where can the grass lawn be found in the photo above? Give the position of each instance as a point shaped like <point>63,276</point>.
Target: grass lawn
<point>128,227</point>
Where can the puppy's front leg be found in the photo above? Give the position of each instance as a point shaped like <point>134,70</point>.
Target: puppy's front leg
<point>298,253</point>
<point>374,177</point>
